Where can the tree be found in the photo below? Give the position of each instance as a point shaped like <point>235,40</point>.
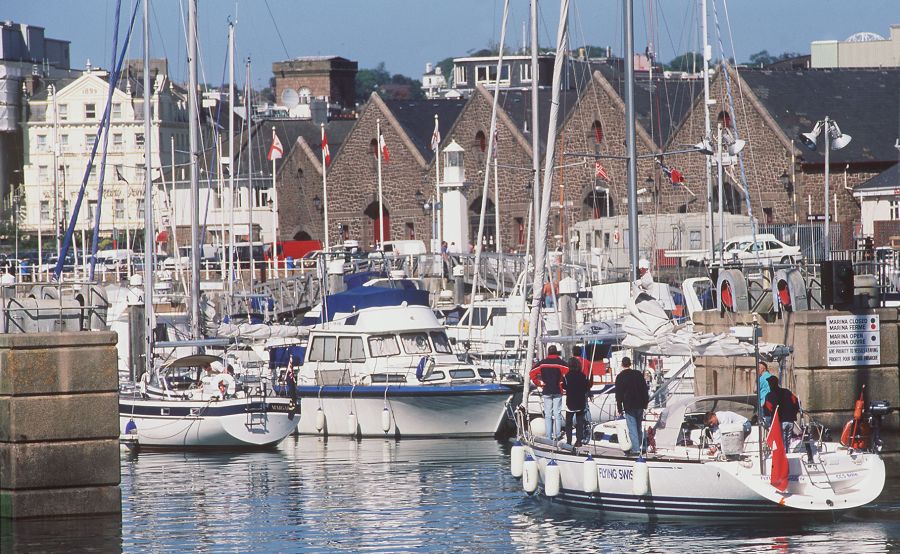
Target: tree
<point>762,58</point>
<point>391,87</point>
<point>691,62</point>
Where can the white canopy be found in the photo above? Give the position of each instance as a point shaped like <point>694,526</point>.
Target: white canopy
<point>260,331</point>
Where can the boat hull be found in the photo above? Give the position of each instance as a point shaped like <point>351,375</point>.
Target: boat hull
<point>713,490</point>
<point>414,411</point>
<point>235,423</point>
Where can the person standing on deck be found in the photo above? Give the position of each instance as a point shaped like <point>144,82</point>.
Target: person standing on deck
<point>631,401</point>
<point>577,388</point>
<point>763,372</point>
<point>548,374</point>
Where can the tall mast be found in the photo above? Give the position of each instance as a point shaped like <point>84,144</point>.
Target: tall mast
<point>707,54</point>
<point>231,164</point>
<point>250,192</point>
<point>633,238</point>
<point>534,212</point>
<point>194,135</point>
<point>148,203</point>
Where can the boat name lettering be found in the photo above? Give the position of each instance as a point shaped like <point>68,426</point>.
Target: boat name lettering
<point>617,473</point>
<point>843,476</point>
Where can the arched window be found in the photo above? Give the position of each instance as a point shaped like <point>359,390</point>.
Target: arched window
<point>725,119</point>
<point>299,173</point>
<point>481,141</point>
<point>373,148</point>
<point>597,131</point>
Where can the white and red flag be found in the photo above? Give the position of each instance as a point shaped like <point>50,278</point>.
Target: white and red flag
<point>275,151</point>
<point>599,172</point>
<point>436,136</point>
<point>775,441</point>
<point>384,149</point>
<point>325,152</point>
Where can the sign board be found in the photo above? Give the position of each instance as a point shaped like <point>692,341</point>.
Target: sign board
<point>853,340</point>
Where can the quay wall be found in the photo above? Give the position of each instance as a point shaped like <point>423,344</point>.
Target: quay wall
<point>59,425</point>
<point>826,393</point>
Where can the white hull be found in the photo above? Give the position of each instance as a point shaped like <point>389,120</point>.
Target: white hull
<point>442,412</point>
<point>688,489</point>
<point>236,423</point>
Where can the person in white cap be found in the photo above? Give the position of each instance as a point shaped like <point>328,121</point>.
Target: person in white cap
<point>645,278</point>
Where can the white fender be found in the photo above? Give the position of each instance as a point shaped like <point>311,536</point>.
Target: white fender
<point>537,427</point>
<point>529,475</point>
<point>320,420</point>
<point>385,419</point>
<point>516,459</point>
<point>352,424</point>
<point>551,479</point>
<point>589,474</point>
<point>640,478</point>
<point>622,435</point>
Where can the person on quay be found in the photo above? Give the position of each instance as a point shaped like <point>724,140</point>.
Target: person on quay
<point>577,388</point>
<point>788,408</point>
<point>723,417</point>
<point>548,375</point>
<point>632,398</point>
<point>644,282</point>
<point>762,370</point>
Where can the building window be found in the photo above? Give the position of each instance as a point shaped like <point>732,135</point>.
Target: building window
<point>93,175</point>
<point>520,231</point>
<point>41,142</point>
<point>525,73</point>
<point>770,217</point>
<point>487,74</point>
<point>410,230</point>
<point>725,119</point>
<point>261,197</point>
<point>43,174</point>
<point>119,174</point>
<point>139,139</point>
<point>694,239</point>
<point>597,131</point>
<point>345,232</point>
<point>117,140</point>
<point>92,209</point>
<point>62,112</point>
<point>481,141</point>
<point>895,209</point>
<point>63,142</point>
<point>90,111</point>
<point>140,208</point>
<point>89,141</point>
<point>45,211</point>
<point>117,110</point>
<point>459,75</point>
<point>119,209</point>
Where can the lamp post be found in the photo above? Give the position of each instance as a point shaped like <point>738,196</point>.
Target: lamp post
<point>834,140</point>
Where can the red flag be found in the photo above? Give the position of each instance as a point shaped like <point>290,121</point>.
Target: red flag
<point>383,146</point>
<point>775,441</point>
<point>276,151</point>
<point>325,151</point>
<point>599,172</point>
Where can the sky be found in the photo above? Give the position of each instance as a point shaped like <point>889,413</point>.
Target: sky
<point>406,34</point>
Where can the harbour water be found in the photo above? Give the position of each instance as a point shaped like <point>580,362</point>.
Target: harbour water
<point>386,495</point>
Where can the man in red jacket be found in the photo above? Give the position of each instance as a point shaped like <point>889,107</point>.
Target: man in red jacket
<point>548,376</point>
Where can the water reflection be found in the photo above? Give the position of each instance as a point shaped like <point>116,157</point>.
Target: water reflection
<point>382,495</point>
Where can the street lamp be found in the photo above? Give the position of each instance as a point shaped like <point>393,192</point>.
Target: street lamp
<point>317,203</point>
<point>834,140</point>
<point>785,181</point>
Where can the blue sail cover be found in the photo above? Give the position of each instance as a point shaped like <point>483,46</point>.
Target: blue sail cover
<point>371,297</point>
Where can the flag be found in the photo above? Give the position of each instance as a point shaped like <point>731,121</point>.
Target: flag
<point>496,143</point>
<point>599,172</point>
<point>120,177</point>
<point>775,441</point>
<point>325,152</point>
<point>436,136</point>
<point>275,151</point>
<point>383,147</point>
<point>672,174</point>
<point>290,369</point>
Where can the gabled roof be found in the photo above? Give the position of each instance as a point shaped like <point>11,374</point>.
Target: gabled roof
<point>660,106</point>
<point>886,180</point>
<point>288,130</point>
<point>864,102</point>
<point>417,119</point>
<point>517,105</point>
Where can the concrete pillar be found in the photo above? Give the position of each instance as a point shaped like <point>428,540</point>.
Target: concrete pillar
<point>459,285</point>
<point>336,276</point>
<point>59,425</point>
<point>568,291</point>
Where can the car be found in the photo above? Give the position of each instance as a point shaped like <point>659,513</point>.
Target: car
<point>765,248</point>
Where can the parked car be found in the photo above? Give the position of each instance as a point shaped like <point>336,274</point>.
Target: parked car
<point>765,248</point>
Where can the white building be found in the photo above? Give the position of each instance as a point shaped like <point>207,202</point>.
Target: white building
<point>434,84</point>
<point>859,50</point>
<point>63,122</point>
<point>879,199</point>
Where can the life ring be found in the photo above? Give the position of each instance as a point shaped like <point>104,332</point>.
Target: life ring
<point>616,236</point>
<point>523,326</point>
<point>230,384</point>
<point>424,368</point>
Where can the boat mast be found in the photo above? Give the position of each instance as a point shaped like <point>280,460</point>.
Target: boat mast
<point>148,204</point>
<point>231,164</point>
<point>707,54</point>
<point>633,238</point>
<point>194,135</point>
<point>251,196</point>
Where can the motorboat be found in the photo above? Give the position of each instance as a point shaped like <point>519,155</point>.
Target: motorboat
<point>380,364</point>
<point>181,407</point>
<point>679,478</point>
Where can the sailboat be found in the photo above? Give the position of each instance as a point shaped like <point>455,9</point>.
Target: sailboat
<point>191,410</point>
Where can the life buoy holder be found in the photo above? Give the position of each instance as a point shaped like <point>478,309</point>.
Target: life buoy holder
<point>228,380</point>
<point>425,368</point>
<point>616,236</point>
<point>523,326</point>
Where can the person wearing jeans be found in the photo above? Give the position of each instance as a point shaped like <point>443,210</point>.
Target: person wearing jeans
<point>548,375</point>
<point>632,398</point>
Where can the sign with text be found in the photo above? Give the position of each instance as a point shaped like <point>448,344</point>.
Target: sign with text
<point>853,340</point>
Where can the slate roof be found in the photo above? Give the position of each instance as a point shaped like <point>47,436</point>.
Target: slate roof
<point>417,119</point>
<point>864,102</point>
<point>517,105</point>
<point>660,106</point>
<point>288,130</point>
<point>888,179</point>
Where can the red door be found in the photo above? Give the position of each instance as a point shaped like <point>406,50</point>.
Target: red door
<point>376,229</point>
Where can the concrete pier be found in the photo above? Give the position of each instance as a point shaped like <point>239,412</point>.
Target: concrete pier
<point>826,393</point>
<point>59,425</point>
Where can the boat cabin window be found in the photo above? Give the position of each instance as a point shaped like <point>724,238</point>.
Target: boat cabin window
<point>388,378</point>
<point>441,344</point>
<point>350,349</point>
<point>480,317</point>
<point>323,349</point>
<point>486,373</point>
<point>436,376</point>
<point>415,343</point>
<point>462,374</point>
<point>595,351</point>
<point>383,345</point>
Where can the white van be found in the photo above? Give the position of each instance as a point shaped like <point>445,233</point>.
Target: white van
<point>404,247</point>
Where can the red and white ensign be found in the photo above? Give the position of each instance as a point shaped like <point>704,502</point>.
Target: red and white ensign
<point>384,149</point>
<point>599,172</point>
<point>325,152</point>
<point>275,151</point>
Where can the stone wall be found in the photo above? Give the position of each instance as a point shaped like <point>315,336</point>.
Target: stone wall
<point>59,425</point>
<point>299,183</point>
<point>826,393</point>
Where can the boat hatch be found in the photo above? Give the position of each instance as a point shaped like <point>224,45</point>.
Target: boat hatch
<point>388,378</point>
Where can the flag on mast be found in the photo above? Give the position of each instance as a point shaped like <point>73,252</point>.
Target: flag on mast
<point>775,441</point>
<point>599,172</point>
<point>384,149</point>
<point>672,174</point>
<point>436,136</point>
<point>325,151</point>
<point>275,151</point>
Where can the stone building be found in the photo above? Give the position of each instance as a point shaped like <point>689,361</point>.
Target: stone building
<point>331,78</point>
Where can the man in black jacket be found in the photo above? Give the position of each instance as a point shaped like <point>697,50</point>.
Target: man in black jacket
<point>788,408</point>
<point>631,401</point>
<point>549,374</point>
<point>577,387</point>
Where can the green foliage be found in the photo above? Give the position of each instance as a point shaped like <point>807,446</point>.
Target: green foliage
<point>389,86</point>
<point>763,58</point>
<point>690,61</point>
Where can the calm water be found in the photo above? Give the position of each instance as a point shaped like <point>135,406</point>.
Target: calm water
<point>437,495</point>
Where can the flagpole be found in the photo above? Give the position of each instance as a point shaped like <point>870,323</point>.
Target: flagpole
<point>325,188</point>
<point>437,191</point>
<point>380,202</point>
<point>497,242</point>
<point>274,213</point>
<point>231,164</point>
